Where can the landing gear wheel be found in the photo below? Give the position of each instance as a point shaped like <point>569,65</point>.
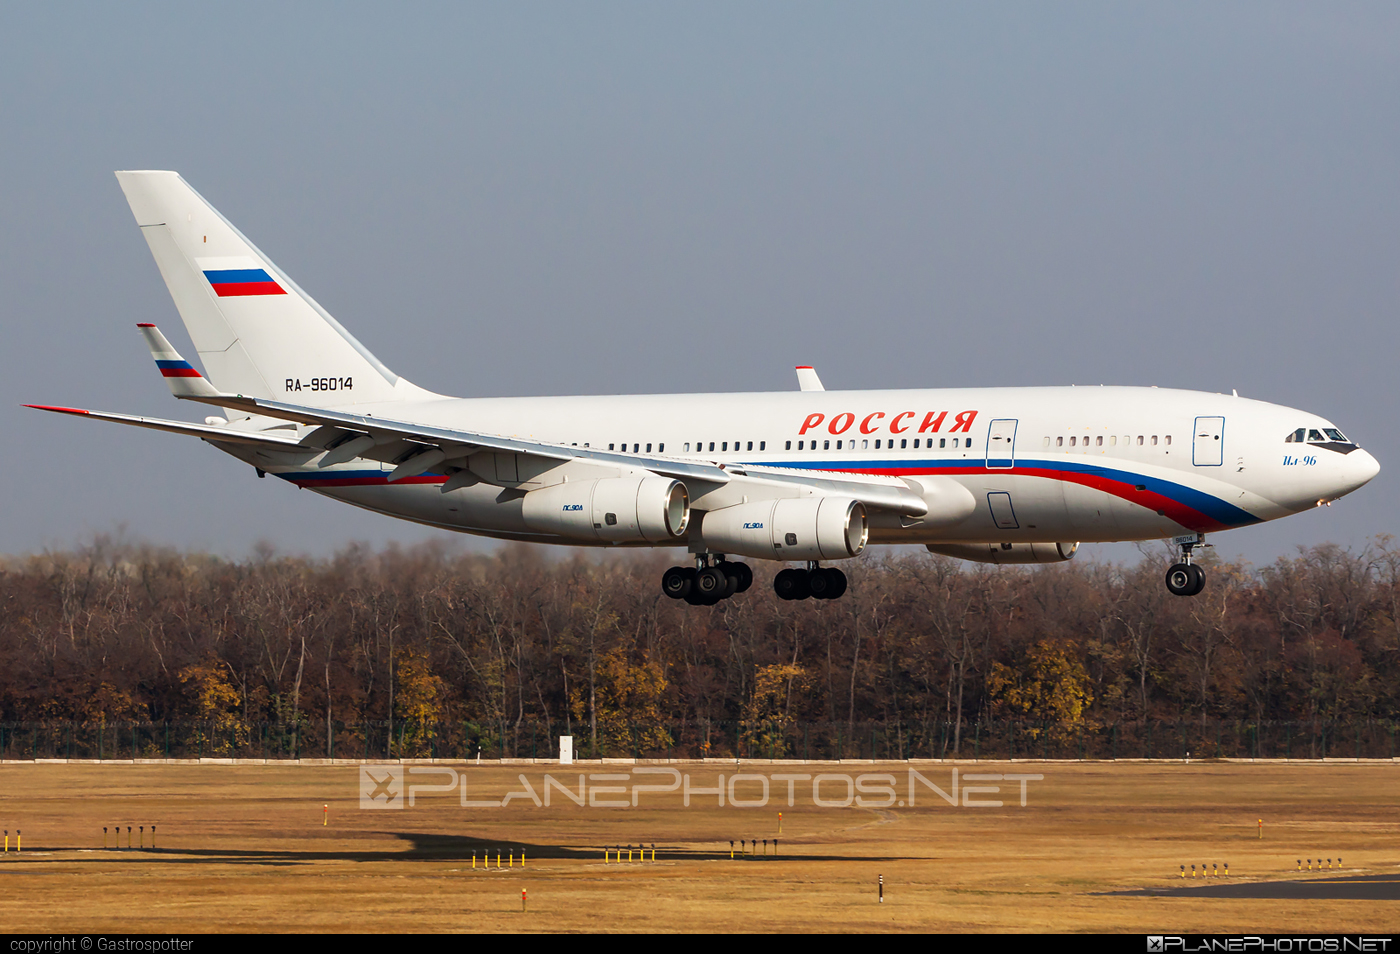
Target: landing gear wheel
<point>1185,579</point>
<point>678,581</point>
<point>791,584</point>
<point>838,587</point>
<point>711,584</point>
<point>827,584</point>
<point>743,572</point>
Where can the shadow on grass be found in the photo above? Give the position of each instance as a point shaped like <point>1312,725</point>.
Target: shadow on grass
<point>1359,888</point>
<point>422,847</point>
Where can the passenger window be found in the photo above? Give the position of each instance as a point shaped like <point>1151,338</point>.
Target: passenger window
<point>865,445</point>
<point>1074,442</point>
<point>750,447</point>
<point>826,445</point>
<point>634,448</point>
<point>1112,440</point>
<point>903,444</point>
<point>762,445</point>
<point>712,445</point>
<point>1154,440</point>
<point>1098,441</point>
<point>838,445</point>
<point>610,447</point>
<point>1059,442</point>
<point>801,445</point>
<point>724,446</point>
<point>648,448</point>
<point>686,445</point>
<point>1139,440</point>
<point>788,446</point>
<point>942,442</point>
<point>1169,440</point>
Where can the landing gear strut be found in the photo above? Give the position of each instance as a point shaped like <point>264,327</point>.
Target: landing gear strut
<point>708,581</point>
<point>1185,578</point>
<point>817,582</point>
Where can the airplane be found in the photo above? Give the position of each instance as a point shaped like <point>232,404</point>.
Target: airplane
<point>806,477</point>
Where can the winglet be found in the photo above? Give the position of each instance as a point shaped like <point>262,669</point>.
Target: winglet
<point>183,379</point>
<point>807,378</point>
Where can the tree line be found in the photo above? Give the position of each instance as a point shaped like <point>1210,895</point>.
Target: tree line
<point>585,644</point>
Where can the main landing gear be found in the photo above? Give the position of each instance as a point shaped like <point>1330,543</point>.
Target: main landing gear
<point>1185,578</point>
<point>817,582</point>
<point>707,583</point>
<point>714,578</point>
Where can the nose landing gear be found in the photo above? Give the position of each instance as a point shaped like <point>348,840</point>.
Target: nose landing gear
<point>1186,578</point>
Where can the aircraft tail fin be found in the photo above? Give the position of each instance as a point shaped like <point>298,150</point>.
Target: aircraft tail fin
<point>255,331</point>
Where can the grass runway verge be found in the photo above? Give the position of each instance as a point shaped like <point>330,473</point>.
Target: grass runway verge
<point>244,848</point>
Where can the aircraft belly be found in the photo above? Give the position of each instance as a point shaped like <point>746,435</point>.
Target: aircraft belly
<point>480,508</point>
<point>1090,512</point>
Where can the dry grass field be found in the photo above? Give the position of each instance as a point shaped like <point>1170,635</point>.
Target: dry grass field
<point>244,848</point>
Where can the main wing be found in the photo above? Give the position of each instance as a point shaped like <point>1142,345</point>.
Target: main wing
<point>328,437</point>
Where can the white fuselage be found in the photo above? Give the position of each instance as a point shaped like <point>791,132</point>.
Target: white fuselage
<point>1040,464</point>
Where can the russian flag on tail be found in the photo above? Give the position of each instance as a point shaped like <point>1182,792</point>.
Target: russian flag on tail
<point>239,282</point>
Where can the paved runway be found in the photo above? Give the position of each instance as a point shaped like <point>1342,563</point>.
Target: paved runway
<point>1361,888</point>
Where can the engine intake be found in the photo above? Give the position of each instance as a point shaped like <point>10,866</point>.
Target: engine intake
<point>614,509</point>
<point>808,528</point>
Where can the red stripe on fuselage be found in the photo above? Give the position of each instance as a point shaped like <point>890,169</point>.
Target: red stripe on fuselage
<point>368,481</point>
<point>1188,517</point>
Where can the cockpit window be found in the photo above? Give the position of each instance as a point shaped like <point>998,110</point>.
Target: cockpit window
<point>1315,436</point>
<point>1294,437</point>
<point>1335,434</point>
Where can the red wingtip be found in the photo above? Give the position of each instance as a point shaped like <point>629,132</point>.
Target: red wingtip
<point>61,410</point>
<point>144,324</point>
<point>804,367</point>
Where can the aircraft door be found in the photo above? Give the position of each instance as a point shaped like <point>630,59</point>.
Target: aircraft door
<point>1001,445</point>
<point>1003,514</point>
<point>1208,442</point>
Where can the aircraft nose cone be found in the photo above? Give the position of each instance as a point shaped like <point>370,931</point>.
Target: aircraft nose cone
<point>1360,468</point>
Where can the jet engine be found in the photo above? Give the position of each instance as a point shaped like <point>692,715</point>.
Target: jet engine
<point>614,509</point>
<point>807,528</point>
<point>1007,552</point>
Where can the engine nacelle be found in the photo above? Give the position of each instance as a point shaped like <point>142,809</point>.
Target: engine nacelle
<point>614,509</point>
<point>806,528</point>
<point>1007,552</point>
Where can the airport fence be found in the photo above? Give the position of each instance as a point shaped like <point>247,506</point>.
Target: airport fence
<point>972,739</point>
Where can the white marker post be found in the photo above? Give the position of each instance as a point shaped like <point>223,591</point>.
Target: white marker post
<point>566,750</point>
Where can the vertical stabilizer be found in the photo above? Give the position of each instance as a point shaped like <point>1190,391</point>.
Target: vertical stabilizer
<point>256,332</point>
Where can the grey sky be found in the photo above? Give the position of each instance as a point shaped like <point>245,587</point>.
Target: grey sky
<point>572,198</point>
